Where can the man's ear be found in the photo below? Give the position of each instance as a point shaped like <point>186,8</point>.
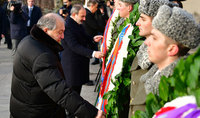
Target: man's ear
<point>130,8</point>
<point>45,29</point>
<point>73,15</point>
<point>173,49</point>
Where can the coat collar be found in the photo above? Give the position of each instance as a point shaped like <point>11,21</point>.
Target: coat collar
<point>143,57</point>
<point>152,80</point>
<point>88,12</point>
<point>41,36</point>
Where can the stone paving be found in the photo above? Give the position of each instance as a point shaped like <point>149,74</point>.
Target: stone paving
<point>6,75</point>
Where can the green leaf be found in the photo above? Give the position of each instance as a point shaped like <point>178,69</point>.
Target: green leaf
<point>127,81</point>
<point>140,114</point>
<point>192,80</point>
<point>197,96</point>
<point>138,43</point>
<point>107,95</point>
<point>150,101</point>
<point>163,88</point>
<point>131,37</point>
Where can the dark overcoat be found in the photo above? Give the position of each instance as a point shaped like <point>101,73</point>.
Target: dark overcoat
<point>18,25</point>
<point>91,25</point>
<point>38,87</point>
<point>1,21</point>
<point>77,53</point>
<point>6,22</point>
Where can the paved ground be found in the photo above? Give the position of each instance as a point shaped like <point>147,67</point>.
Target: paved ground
<point>5,81</point>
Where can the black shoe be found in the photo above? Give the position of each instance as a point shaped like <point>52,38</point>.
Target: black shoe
<point>95,62</point>
<point>90,83</point>
<point>9,47</point>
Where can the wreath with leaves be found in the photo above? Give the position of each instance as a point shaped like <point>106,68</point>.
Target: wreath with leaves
<point>119,95</point>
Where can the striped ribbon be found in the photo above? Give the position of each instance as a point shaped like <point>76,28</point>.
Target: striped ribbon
<point>107,71</point>
<point>105,36</point>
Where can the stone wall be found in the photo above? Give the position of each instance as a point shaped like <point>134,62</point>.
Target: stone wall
<point>192,6</point>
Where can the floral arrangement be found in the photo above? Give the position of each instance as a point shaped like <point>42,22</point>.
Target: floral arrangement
<point>118,94</point>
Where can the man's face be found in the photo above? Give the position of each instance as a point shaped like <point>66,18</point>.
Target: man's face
<point>145,25</point>
<point>123,9</point>
<point>58,33</point>
<point>94,8</point>
<point>67,2</point>
<point>30,3</point>
<point>80,17</point>
<point>157,47</point>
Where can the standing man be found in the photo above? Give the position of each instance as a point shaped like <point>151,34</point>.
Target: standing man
<point>6,26</point>
<point>39,88</point>
<point>78,49</point>
<point>91,25</point>
<point>33,12</point>
<point>18,20</point>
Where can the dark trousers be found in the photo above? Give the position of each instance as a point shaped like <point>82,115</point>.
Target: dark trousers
<point>8,40</point>
<point>15,43</point>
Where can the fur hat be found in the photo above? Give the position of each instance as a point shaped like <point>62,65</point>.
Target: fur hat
<point>150,7</point>
<point>130,1</point>
<point>177,24</point>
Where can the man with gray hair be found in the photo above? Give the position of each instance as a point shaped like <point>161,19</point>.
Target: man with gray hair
<point>39,89</point>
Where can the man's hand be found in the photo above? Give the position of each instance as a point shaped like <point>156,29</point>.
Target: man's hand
<point>97,38</point>
<point>99,54</point>
<point>101,114</point>
<point>60,11</point>
<point>12,8</point>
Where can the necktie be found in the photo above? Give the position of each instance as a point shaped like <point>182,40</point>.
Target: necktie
<point>29,14</point>
<point>30,11</point>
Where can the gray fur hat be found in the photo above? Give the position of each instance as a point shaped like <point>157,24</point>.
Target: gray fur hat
<point>150,7</point>
<point>177,24</point>
<point>130,1</point>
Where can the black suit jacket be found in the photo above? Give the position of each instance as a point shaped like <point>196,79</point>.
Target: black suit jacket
<point>77,52</point>
<point>35,15</point>
<point>91,25</point>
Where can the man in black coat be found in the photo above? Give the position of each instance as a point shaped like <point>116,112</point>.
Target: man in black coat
<point>34,13</point>
<point>6,26</point>
<point>38,87</point>
<point>18,20</point>
<point>78,49</point>
<point>91,25</point>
